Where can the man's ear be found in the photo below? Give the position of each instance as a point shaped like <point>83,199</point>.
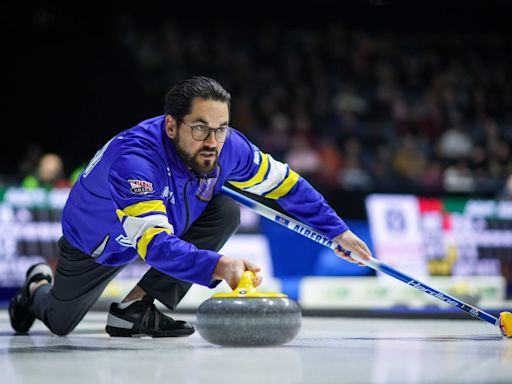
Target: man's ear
<point>171,126</point>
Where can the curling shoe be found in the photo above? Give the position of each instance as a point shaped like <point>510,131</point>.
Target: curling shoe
<point>19,306</point>
<point>142,318</point>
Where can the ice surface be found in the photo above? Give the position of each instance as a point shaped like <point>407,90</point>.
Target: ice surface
<point>327,350</point>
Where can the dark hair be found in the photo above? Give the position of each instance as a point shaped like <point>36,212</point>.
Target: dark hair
<point>179,98</point>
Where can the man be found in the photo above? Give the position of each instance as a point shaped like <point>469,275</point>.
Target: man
<point>153,192</point>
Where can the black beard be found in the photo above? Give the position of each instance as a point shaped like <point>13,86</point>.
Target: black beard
<point>191,160</point>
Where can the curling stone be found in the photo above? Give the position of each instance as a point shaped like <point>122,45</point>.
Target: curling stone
<point>247,318</point>
<point>505,323</point>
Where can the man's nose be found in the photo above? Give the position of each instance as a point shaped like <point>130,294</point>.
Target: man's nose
<point>211,140</point>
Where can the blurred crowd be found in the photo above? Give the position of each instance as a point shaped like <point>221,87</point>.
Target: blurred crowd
<point>349,109</point>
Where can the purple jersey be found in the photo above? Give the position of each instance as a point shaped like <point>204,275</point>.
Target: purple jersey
<point>136,197</point>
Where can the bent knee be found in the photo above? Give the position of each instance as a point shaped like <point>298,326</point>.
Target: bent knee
<point>62,329</point>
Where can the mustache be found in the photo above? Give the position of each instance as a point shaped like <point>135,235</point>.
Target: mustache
<point>209,150</point>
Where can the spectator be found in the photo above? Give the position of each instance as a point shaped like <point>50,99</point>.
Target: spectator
<point>48,174</point>
<point>408,160</point>
<point>302,156</point>
<point>331,164</point>
<point>353,175</point>
<point>458,178</point>
<point>455,143</point>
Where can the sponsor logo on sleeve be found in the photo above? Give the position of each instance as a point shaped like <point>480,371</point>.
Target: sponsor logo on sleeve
<point>141,187</point>
<point>257,155</point>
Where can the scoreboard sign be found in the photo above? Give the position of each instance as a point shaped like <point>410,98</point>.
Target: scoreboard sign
<point>441,236</point>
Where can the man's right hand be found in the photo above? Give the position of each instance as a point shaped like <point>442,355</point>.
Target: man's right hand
<point>231,270</point>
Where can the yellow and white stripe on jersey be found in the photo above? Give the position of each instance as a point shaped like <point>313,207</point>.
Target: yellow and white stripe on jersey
<point>141,230</point>
<point>258,177</point>
<point>273,179</point>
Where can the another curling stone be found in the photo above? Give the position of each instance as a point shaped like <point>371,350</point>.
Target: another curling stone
<point>246,318</point>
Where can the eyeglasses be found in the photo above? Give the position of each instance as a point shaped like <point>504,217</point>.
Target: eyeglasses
<point>201,132</point>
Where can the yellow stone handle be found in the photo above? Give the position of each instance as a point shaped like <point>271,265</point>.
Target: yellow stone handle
<point>245,284</point>
<point>245,289</point>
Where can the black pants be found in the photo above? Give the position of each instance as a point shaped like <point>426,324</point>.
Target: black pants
<point>79,280</point>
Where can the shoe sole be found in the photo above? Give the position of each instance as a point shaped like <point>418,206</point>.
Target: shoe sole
<point>123,332</point>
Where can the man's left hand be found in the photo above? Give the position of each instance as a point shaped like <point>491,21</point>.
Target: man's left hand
<point>349,241</point>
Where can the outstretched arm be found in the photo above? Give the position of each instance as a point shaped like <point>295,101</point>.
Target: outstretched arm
<point>259,173</point>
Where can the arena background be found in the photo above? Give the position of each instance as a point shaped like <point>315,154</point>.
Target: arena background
<point>379,104</point>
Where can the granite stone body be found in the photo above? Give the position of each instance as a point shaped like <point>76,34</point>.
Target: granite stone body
<point>249,321</point>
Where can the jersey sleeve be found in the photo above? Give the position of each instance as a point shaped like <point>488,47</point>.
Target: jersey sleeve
<point>136,186</point>
<point>259,173</point>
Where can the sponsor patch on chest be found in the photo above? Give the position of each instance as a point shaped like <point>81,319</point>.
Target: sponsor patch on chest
<point>141,187</point>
